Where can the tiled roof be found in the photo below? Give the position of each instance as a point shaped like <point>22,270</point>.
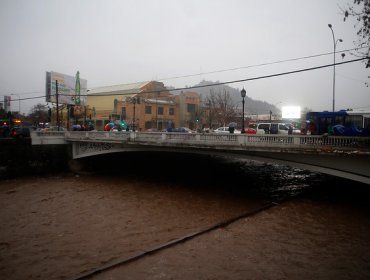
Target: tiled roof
<point>126,88</point>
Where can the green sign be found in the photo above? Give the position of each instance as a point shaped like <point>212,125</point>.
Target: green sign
<point>77,89</point>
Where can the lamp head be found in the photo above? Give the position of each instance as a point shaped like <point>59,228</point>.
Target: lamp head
<point>330,26</point>
<point>243,92</point>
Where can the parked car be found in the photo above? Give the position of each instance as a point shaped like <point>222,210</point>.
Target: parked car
<point>225,129</point>
<point>272,128</point>
<point>152,130</point>
<point>296,130</point>
<point>182,130</point>
<point>250,130</point>
<point>21,131</point>
<point>54,128</point>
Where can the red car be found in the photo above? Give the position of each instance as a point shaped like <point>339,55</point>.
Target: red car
<point>250,131</point>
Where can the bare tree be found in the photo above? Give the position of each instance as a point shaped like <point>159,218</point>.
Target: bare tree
<point>360,10</point>
<point>211,108</point>
<point>39,113</point>
<point>220,107</point>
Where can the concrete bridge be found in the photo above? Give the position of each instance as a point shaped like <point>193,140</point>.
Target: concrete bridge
<point>347,157</point>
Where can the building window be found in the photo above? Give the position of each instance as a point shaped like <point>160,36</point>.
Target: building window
<point>171,111</point>
<point>148,110</point>
<point>160,110</point>
<point>115,104</point>
<point>148,124</point>
<point>191,108</point>
<point>356,121</point>
<point>123,113</point>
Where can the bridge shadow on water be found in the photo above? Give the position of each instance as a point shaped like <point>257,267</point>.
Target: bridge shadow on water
<point>237,177</point>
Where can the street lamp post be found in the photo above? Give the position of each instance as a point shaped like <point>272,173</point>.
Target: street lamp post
<point>57,101</point>
<point>243,93</point>
<point>335,41</point>
<point>133,120</point>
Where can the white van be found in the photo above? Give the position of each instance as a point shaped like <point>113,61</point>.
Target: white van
<point>272,128</point>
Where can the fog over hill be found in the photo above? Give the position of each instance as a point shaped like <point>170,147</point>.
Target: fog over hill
<point>251,106</point>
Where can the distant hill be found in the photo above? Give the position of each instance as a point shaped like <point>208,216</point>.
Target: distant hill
<point>251,106</point>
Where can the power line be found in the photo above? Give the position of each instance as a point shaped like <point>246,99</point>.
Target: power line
<point>222,83</point>
<point>248,79</point>
<point>230,69</point>
<point>259,65</point>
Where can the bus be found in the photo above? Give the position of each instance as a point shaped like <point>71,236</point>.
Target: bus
<point>319,123</point>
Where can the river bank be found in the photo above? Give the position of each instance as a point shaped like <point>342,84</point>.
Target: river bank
<point>62,227</point>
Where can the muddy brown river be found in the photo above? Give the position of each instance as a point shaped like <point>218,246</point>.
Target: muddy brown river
<point>223,219</point>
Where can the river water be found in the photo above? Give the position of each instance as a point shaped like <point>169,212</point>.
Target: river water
<point>119,214</point>
<point>271,181</point>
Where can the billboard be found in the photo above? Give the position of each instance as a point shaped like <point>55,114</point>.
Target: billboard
<point>71,90</point>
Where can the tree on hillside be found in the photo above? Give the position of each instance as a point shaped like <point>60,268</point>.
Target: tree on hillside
<point>360,10</point>
<point>251,106</point>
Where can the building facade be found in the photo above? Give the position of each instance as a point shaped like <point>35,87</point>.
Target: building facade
<point>143,106</point>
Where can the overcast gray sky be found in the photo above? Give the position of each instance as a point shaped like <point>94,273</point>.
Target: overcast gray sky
<point>122,41</point>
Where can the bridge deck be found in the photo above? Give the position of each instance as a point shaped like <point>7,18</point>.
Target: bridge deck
<point>347,157</point>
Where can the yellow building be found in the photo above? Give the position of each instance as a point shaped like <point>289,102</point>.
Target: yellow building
<point>188,109</point>
<point>146,106</point>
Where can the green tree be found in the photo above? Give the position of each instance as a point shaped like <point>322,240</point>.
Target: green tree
<point>360,10</point>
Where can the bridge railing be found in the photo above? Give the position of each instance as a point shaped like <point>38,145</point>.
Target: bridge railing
<point>214,139</point>
<point>98,135</point>
<point>335,141</point>
<point>48,133</point>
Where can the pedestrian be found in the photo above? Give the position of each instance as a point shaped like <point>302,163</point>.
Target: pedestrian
<point>6,130</point>
<point>290,129</point>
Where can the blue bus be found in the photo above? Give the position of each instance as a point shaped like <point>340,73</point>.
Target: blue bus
<point>350,121</point>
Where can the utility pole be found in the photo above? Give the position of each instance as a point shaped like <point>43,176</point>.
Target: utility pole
<point>156,108</point>
<point>57,99</point>
<point>68,115</point>
<point>133,121</point>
